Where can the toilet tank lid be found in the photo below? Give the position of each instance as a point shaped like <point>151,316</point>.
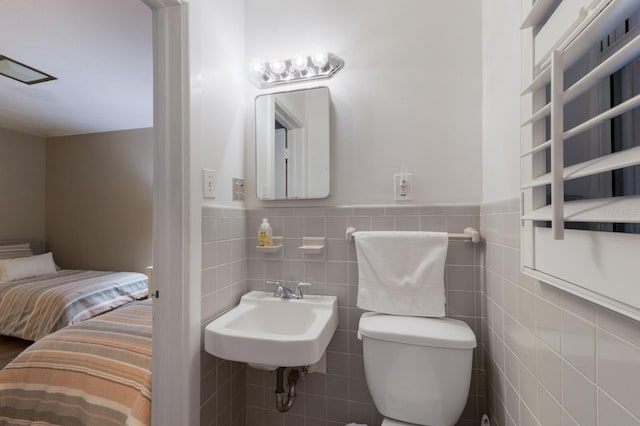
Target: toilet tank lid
<point>434,332</point>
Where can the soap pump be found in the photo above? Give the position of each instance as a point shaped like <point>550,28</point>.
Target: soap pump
<point>264,233</point>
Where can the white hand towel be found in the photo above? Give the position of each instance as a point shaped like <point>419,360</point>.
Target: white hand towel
<point>402,273</point>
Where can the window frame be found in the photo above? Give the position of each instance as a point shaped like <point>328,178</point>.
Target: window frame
<point>602,267</point>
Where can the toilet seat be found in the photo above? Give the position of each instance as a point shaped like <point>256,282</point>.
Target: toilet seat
<point>433,332</point>
<point>391,422</point>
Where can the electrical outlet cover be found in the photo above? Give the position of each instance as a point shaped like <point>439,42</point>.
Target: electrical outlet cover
<point>403,191</point>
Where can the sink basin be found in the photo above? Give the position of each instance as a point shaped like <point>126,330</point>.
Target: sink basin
<point>266,330</point>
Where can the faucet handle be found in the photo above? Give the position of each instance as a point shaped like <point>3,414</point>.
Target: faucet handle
<point>298,291</point>
<point>277,292</point>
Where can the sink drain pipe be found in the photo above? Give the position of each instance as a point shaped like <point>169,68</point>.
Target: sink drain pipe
<point>282,405</point>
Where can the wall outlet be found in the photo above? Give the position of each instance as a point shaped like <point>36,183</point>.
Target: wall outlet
<point>403,187</point>
<point>208,183</point>
<point>238,189</point>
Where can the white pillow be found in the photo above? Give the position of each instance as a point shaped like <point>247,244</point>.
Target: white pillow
<point>25,267</point>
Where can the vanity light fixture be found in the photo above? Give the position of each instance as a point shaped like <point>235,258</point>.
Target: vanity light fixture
<point>300,64</point>
<point>278,67</point>
<point>320,65</point>
<point>21,72</point>
<point>320,59</point>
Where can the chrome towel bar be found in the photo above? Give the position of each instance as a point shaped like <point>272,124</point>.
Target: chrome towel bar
<point>469,234</point>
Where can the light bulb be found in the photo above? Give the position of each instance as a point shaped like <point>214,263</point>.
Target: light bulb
<point>300,63</point>
<point>258,68</point>
<point>320,59</point>
<point>278,67</point>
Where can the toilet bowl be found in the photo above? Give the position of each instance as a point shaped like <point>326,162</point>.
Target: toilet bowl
<point>418,369</point>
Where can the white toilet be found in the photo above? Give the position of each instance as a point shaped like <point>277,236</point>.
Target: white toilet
<point>418,369</point>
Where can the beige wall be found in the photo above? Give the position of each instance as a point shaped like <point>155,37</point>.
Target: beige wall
<point>99,200</point>
<point>22,185</point>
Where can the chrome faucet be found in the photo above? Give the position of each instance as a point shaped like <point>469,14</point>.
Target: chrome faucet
<point>284,292</point>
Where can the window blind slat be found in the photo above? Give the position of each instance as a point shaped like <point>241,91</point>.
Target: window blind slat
<point>539,82</point>
<point>613,112</point>
<point>616,61</point>
<point>537,148</point>
<point>617,160</point>
<point>539,115</point>
<point>563,25</point>
<point>612,64</point>
<point>537,12</point>
<point>602,18</point>
<point>607,16</point>
<point>611,210</point>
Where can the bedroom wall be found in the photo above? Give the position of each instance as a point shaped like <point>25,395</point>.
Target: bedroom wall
<point>99,200</point>
<point>22,185</point>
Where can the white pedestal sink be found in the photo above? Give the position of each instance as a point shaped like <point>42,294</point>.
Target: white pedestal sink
<point>270,331</point>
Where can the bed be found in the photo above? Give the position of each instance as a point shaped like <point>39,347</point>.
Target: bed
<point>97,372</point>
<point>33,307</point>
<point>37,299</point>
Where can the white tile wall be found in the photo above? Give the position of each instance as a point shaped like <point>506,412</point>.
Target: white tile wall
<point>222,385</point>
<point>553,358</point>
<point>341,396</point>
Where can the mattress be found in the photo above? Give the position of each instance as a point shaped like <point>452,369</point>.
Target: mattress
<point>97,372</point>
<point>34,307</point>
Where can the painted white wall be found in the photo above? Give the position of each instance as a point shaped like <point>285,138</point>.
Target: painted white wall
<point>501,87</point>
<point>22,185</point>
<point>408,97</point>
<point>218,80</point>
<point>217,73</point>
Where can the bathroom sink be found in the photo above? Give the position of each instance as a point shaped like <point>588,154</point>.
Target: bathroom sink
<point>270,331</point>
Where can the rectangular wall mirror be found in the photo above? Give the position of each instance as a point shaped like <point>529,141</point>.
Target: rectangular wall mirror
<point>292,145</point>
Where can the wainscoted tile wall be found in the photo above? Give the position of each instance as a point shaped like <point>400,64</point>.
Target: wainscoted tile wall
<point>551,358</point>
<point>222,386</point>
<point>341,396</point>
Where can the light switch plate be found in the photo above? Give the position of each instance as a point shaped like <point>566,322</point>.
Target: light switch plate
<point>238,189</point>
<point>208,183</point>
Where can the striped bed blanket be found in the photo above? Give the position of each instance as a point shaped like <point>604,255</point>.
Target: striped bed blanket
<point>97,372</point>
<point>34,307</point>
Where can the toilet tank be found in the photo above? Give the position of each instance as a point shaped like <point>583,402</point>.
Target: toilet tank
<point>418,370</point>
